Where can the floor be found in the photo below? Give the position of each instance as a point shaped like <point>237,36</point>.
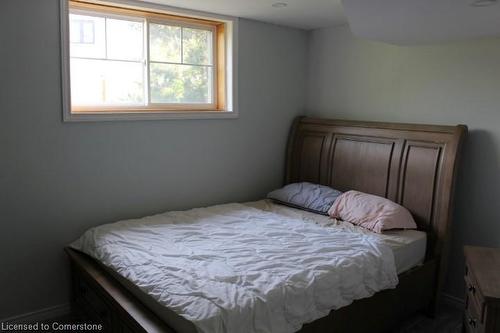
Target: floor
<point>448,320</point>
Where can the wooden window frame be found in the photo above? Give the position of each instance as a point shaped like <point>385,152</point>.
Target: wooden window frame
<point>224,74</point>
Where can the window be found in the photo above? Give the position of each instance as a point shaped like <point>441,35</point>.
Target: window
<point>127,62</point>
<point>82,31</point>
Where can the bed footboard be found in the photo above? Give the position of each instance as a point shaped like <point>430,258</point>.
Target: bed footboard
<point>98,298</point>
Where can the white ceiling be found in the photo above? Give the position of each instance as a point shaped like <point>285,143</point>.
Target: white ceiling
<point>407,22</point>
<point>402,22</point>
<point>304,14</point>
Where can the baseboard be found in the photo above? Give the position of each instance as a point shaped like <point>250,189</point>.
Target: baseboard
<point>453,301</point>
<point>46,314</point>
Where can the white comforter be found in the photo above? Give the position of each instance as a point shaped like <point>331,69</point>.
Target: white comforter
<point>235,268</point>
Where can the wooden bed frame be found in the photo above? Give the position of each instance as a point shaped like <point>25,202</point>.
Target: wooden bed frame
<point>414,165</point>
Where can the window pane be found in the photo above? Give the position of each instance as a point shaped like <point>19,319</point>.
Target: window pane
<point>104,82</point>
<point>180,84</point>
<point>197,46</point>
<point>165,43</point>
<point>87,36</point>
<point>125,39</point>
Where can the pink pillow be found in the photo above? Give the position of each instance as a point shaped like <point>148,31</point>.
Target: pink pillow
<point>371,212</point>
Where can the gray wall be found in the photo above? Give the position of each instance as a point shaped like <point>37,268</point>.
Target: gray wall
<point>58,179</point>
<point>443,84</point>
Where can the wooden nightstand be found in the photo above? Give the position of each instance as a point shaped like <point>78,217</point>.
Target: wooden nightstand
<point>482,288</point>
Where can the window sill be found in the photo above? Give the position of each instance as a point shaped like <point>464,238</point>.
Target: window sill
<point>90,117</point>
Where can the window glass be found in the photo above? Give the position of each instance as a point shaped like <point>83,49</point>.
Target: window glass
<point>197,46</point>
<point>172,83</point>
<point>87,36</point>
<point>125,40</point>
<point>106,82</point>
<point>165,43</point>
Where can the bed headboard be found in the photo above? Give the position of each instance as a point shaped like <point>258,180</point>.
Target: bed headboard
<point>413,165</point>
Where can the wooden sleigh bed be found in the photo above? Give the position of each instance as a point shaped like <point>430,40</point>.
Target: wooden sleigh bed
<point>413,165</point>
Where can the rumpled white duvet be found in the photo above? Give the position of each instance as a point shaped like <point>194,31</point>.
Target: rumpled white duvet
<point>235,268</point>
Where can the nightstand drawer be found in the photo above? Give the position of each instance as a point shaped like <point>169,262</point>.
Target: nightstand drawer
<point>472,291</point>
<point>473,319</point>
<point>482,283</point>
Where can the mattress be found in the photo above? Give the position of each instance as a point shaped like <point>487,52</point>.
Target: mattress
<point>408,246</point>
<point>369,262</point>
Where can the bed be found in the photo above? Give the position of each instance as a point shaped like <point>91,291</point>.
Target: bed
<point>414,165</point>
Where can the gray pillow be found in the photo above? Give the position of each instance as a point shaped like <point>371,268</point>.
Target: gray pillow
<point>308,196</point>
